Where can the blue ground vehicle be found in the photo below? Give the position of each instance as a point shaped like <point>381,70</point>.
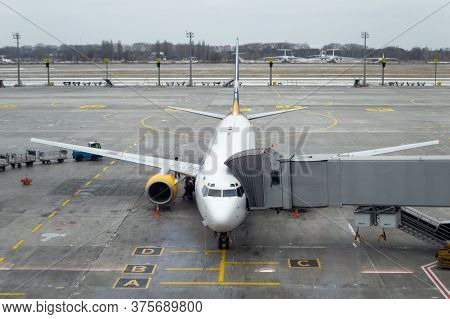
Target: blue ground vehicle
<point>83,156</point>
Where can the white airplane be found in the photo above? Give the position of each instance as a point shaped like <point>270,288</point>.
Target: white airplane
<point>220,198</point>
<point>325,57</point>
<point>380,60</point>
<point>4,60</point>
<point>285,58</point>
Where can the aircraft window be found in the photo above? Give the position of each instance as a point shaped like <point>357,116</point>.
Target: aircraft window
<point>204,191</point>
<point>230,192</point>
<point>215,192</point>
<point>240,191</point>
<point>213,185</point>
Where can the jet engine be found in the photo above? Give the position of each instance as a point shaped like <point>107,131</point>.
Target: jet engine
<point>162,188</point>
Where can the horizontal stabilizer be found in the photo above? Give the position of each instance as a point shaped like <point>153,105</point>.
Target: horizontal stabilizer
<point>207,114</point>
<point>261,115</point>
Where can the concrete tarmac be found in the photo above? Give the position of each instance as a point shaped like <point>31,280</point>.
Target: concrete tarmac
<point>86,230</point>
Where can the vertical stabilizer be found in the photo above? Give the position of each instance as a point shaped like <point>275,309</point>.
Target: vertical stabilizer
<point>235,109</point>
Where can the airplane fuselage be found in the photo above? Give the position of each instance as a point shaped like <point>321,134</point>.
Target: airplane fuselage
<point>219,195</point>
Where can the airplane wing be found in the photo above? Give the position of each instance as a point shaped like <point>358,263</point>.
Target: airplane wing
<point>386,150</point>
<point>207,114</point>
<point>177,166</point>
<point>260,115</point>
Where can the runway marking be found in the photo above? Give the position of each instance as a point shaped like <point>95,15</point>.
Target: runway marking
<point>304,263</point>
<point>139,269</point>
<point>222,265</point>
<point>97,176</point>
<point>12,294</point>
<point>252,262</point>
<point>2,259</point>
<point>18,244</point>
<point>132,283</point>
<point>432,276</point>
<point>52,214</point>
<point>105,169</point>
<point>289,107</point>
<point>192,269</point>
<point>36,228</point>
<point>8,106</point>
<point>77,192</point>
<point>379,109</point>
<point>185,251</point>
<point>244,109</point>
<point>112,162</point>
<point>93,106</point>
<point>243,283</point>
<point>67,201</point>
<point>88,183</point>
<point>148,251</point>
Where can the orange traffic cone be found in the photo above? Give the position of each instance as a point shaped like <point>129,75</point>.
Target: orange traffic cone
<point>26,180</point>
<point>157,211</point>
<point>296,214</point>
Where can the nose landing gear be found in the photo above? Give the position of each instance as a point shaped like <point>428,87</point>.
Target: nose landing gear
<point>224,241</point>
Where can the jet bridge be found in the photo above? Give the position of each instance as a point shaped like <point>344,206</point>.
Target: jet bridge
<point>380,186</point>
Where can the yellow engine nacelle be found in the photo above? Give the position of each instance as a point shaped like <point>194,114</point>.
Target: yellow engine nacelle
<point>162,188</point>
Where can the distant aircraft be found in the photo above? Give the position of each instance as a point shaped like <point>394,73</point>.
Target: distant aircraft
<point>186,61</point>
<point>4,60</point>
<point>379,60</point>
<point>285,58</point>
<point>323,56</point>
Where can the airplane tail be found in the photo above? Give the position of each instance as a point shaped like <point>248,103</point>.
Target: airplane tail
<point>235,109</point>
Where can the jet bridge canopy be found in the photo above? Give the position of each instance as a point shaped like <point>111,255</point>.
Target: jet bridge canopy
<point>272,180</point>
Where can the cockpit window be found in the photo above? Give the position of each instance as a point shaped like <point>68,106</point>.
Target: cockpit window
<point>240,191</point>
<point>230,192</point>
<point>215,192</point>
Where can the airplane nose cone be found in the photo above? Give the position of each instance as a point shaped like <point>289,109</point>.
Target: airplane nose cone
<point>225,216</point>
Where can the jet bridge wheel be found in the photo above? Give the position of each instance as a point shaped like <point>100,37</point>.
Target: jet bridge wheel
<point>224,241</point>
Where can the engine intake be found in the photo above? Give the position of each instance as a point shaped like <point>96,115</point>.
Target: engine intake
<point>161,188</point>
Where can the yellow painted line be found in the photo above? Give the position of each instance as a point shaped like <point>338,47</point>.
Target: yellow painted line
<point>242,283</point>
<point>18,244</point>
<point>7,106</point>
<point>112,162</point>
<point>185,251</point>
<point>243,109</point>
<point>52,214</point>
<point>288,106</point>
<point>77,192</point>
<point>214,251</point>
<point>2,259</point>
<point>222,265</point>
<point>93,106</point>
<point>192,269</point>
<point>97,176</point>
<point>12,294</point>
<point>88,183</point>
<point>67,201</point>
<point>35,229</point>
<point>252,262</point>
<point>105,169</point>
<point>379,109</point>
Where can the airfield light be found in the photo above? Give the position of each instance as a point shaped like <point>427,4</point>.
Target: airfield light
<point>158,64</point>
<point>17,37</point>
<point>365,35</point>
<point>190,35</point>
<point>383,65</point>
<point>47,65</point>
<point>106,60</point>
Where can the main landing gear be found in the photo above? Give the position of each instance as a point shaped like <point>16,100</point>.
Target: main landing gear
<point>224,241</point>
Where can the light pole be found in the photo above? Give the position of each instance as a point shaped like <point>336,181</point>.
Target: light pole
<point>383,65</point>
<point>365,35</point>
<point>158,65</point>
<point>47,65</point>
<point>270,71</point>
<point>436,60</point>
<point>106,60</point>
<point>190,35</point>
<point>16,36</point>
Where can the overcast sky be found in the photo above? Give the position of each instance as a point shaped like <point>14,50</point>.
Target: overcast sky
<point>219,22</point>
